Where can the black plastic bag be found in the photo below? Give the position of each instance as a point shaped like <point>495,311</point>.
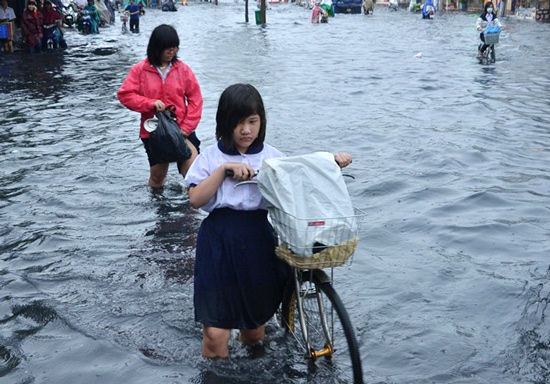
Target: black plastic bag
<point>167,141</point>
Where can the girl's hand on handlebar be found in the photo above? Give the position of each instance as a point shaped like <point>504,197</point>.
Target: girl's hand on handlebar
<point>159,105</point>
<point>239,171</point>
<point>343,159</point>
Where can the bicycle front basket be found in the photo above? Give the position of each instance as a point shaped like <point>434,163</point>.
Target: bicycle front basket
<point>316,242</point>
<point>491,38</point>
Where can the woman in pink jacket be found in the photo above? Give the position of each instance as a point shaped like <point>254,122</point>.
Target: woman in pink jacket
<point>157,82</point>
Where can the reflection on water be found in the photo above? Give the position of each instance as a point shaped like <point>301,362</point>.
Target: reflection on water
<point>39,79</point>
<point>171,242</point>
<point>450,282</point>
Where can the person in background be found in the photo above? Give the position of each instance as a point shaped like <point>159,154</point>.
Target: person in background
<point>368,7</point>
<point>499,11</point>
<point>428,9</point>
<point>239,281</point>
<point>104,12</point>
<point>156,82</point>
<point>134,11</point>
<point>111,10</point>
<point>317,13</point>
<point>487,17</point>
<point>94,15</point>
<point>52,23</point>
<point>31,26</point>
<point>7,17</point>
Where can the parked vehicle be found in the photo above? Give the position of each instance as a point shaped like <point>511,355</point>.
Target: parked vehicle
<point>347,6</point>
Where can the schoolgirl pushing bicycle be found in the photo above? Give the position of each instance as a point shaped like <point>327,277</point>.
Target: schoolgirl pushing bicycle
<point>238,280</point>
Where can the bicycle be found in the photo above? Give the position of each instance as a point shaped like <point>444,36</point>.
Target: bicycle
<point>311,309</point>
<point>488,56</point>
<point>124,20</point>
<point>489,35</point>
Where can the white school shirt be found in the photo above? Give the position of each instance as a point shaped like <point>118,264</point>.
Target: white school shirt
<point>246,197</point>
<point>7,14</point>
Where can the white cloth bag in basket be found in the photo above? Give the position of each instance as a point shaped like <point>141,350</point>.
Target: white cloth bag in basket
<point>308,201</point>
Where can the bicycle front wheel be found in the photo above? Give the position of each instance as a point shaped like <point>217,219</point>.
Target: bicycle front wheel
<point>325,329</point>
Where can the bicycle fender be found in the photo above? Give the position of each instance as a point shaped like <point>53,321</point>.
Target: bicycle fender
<point>320,277</point>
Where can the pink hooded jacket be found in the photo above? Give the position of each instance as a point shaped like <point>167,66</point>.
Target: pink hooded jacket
<point>144,85</point>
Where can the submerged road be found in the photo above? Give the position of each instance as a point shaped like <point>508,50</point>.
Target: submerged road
<point>450,283</point>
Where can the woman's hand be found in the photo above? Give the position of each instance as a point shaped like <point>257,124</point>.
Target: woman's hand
<point>241,171</point>
<point>343,159</point>
<point>159,106</point>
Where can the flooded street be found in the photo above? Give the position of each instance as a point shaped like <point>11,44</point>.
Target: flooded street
<point>451,280</point>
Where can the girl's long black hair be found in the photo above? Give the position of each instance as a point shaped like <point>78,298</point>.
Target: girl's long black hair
<point>164,36</point>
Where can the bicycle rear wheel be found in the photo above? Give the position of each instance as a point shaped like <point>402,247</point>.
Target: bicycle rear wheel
<point>327,329</point>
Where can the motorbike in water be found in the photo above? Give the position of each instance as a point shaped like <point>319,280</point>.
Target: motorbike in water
<point>51,36</point>
<point>69,12</point>
<point>85,22</point>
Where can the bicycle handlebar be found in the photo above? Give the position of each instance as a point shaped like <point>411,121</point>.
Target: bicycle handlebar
<point>230,173</point>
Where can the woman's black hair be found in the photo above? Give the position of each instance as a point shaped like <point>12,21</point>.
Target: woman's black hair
<point>237,102</point>
<point>485,9</point>
<point>164,36</point>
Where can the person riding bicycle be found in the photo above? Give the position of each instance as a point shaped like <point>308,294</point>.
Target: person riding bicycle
<point>487,18</point>
<point>428,9</point>
<point>239,281</point>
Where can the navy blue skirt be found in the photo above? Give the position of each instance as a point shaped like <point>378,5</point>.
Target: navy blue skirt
<point>238,279</point>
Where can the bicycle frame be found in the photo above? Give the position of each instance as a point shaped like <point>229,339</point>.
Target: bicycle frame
<point>305,316</point>
<point>311,352</point>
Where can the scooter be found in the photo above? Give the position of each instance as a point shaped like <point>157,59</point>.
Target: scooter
<point>51,36</point>
<point>85,18</point>
<point>69,13</point>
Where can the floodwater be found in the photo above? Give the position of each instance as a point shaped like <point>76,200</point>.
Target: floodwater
<point>450,283</point>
